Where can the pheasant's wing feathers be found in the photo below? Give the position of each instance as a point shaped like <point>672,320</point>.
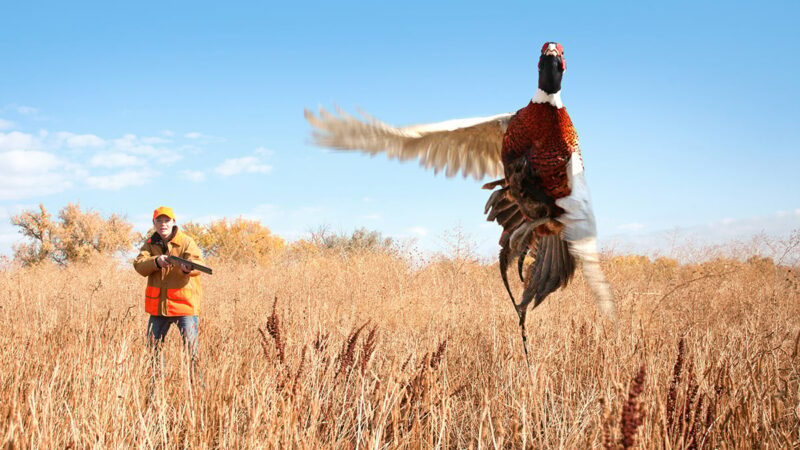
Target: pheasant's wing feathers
<point>470,146</point>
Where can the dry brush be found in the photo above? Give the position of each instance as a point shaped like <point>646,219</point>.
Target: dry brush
<point>361,349</point>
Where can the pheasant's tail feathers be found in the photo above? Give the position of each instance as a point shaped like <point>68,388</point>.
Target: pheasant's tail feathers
<point>580,230</point>
<point>586,250</point>
<point>553,267</point>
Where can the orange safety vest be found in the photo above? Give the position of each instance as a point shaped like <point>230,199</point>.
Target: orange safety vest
<point>170,292</point>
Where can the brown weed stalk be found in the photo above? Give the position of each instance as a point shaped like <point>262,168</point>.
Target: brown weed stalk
<point>632,412</point>
<point>274,330</point>
<point>299,371</point>
<point>437,356</point>
<point>672,395</point>
<point>607,426</point>
<point>347,354</point>
<point>367,348</point>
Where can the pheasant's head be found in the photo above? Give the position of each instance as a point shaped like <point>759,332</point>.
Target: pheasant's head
<point>551,67</point>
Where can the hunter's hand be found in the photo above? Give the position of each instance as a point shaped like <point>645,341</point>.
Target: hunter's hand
<point>186,268</point>
<point>163,261</point>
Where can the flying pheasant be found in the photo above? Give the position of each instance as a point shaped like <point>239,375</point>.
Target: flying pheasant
<point>541,201</point>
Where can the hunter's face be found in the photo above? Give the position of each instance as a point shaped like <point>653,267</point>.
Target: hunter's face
<point>163,225</point>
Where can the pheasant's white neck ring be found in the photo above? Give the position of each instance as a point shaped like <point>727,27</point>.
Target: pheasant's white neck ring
<point>543,97</point>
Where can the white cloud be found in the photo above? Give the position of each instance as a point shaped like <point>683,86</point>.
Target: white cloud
<point>21,162</point>
<point>168,133</point>
<point>193,175</point>
<point>247,164</point>
<point>130,143</point>
<point>635,226</point>
<point>32,164</point>
<point>263,151</point>
<point>80,140</point>
<point>32,173</point>
<point>27,110</point>
<point>375,216</point>
<point>154,140</point>
<point>112,160</point>
<point>206,138</point>
<point>120,180</point>
<point>18,141</point>
<point>420,231</point>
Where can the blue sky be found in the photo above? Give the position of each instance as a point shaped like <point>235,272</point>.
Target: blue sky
<point>687,112</point>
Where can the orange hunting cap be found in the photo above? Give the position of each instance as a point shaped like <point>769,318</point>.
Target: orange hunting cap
<point>164,211</point>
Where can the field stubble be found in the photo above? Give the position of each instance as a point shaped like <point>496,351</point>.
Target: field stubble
<point>362,350</point>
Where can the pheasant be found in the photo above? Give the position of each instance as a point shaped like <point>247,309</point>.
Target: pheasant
<point>542,200</point>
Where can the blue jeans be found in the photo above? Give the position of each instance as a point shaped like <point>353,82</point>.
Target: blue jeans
<point>189,327</point>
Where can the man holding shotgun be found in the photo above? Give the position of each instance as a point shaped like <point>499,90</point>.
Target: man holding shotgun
<point>172,263</point>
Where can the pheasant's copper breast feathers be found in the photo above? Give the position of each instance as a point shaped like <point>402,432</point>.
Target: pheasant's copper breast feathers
<point>545,137</point>
<point>470,146</point>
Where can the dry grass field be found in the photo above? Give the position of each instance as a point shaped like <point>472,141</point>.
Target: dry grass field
<point>362,350</point>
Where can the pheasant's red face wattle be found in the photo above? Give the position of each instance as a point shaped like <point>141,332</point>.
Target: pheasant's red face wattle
<point>557,50</point>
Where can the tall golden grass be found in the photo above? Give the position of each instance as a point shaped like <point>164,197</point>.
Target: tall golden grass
<point>365,350</point>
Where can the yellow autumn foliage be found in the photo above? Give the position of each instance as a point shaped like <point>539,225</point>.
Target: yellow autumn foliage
<point>239,240</point>
<point>76,235</point>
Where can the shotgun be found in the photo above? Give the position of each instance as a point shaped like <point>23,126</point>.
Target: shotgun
<point>191,264</point>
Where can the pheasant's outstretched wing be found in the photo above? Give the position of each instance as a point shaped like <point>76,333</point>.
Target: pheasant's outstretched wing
<point>470,146</point>
<point>580,231</point>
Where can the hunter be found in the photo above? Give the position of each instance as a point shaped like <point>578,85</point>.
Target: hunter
<point>174,291</point>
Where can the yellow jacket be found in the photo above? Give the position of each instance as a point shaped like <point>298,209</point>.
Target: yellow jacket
<point>170,291</point>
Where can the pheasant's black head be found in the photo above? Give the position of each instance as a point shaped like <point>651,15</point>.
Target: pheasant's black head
<point>551,67</point>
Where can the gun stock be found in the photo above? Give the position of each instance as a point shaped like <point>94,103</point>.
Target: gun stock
<point>191,264</point>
